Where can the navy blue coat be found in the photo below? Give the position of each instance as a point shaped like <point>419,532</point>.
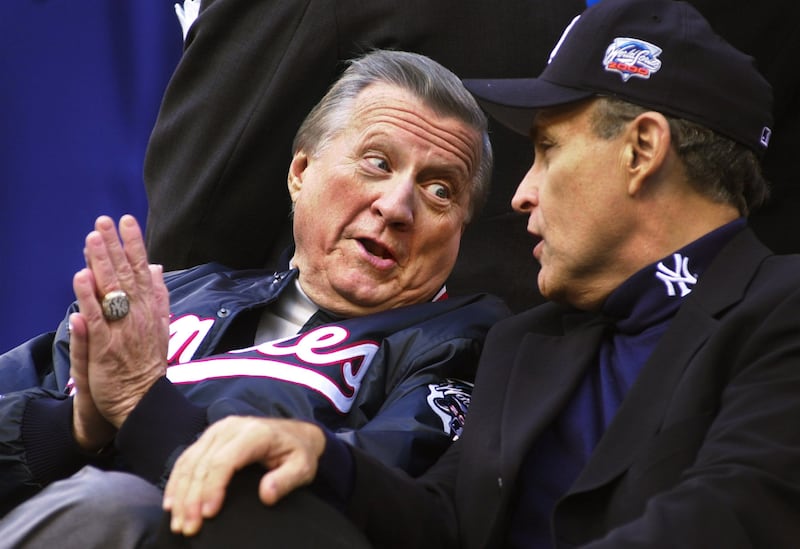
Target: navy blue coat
<point>396,383</point>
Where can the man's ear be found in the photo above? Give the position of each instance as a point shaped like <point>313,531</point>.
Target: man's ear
<point>648,145</point>
<point>296,171</point>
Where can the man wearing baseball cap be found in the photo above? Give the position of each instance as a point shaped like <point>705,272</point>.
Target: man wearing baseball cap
<point>653,402</point>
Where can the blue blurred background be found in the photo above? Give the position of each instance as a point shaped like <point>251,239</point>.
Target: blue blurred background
<point>80,86</point>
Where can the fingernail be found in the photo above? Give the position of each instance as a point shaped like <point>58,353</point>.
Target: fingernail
<point>191,527</point>
<point>206,510</point>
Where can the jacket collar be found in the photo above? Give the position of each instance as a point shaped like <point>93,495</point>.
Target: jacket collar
<point>641,413</point>
<point>536,394</point>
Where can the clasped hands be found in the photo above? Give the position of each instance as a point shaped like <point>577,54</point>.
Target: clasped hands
<point>115,362</point>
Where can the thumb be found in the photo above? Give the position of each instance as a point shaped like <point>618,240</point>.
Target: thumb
<point>78,350</point>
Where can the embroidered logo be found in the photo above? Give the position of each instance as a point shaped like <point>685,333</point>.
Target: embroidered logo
<point>631,57</point>
<point>678,276</point>
<point>450,400</point>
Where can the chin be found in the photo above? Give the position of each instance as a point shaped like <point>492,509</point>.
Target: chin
<point>544,289</point>
<point>361,301</point>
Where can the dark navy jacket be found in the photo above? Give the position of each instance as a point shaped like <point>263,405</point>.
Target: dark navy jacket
<point>395,384</point>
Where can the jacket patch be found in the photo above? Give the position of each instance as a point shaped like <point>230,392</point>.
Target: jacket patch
<point>450,400</point>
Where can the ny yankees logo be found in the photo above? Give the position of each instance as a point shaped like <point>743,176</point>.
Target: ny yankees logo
<point>324,360</point>
<point>680,275</point>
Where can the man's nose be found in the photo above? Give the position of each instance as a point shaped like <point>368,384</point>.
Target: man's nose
<point>526,197</point>
<point>396,202</point>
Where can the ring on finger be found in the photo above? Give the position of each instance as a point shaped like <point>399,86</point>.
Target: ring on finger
<point>116,305</point>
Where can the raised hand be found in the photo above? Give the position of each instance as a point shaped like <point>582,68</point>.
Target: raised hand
<point>123,356</point>
<point>289,449</point>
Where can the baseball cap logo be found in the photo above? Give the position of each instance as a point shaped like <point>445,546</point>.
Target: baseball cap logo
<point>632,57</point>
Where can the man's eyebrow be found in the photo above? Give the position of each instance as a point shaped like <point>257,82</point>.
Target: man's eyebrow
<point>373,132</point>
<point>378,137</point>
<point>543,121</point>
<point>536,128</point>
<point>448,172</point>
<point>539,120</point>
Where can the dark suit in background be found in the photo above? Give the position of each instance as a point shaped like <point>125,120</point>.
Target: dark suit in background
<point>216,163</point>
<point>215,170</point>
<point>769,30</point>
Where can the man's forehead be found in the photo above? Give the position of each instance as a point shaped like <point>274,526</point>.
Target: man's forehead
<point>384,95</point>
<point>562,114</point>
<point>382,107</point>
<point>384,98</point>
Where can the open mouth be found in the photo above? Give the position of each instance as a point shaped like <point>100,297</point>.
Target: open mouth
<point>376,249</point>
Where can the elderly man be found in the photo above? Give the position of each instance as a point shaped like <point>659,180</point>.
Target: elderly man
<point>358,334</point>
<point>650,404</point>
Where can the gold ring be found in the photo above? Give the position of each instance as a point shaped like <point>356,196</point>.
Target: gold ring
<point>116,305</point>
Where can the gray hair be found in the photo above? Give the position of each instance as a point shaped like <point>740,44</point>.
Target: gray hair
<point>718,167</point>
<point>437,87</point>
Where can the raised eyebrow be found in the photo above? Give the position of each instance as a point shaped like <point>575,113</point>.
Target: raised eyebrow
<point>375,139</point>
<point>533,132</point>
<point>457,177</point>
<point>378,140</point>
<point>536,126</point>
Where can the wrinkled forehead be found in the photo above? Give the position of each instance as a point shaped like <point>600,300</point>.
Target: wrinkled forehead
<point>383,99</point>
<point>390,106</point>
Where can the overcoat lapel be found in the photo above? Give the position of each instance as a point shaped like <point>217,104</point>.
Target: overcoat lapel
<point>546,370</point>
<point>641,413</point>
<point>643,410</point>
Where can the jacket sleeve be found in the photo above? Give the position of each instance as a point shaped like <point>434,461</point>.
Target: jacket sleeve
<point>422,510</point>
<point>423,407</point>
<point>36,444</point>
<point>158,429</point>
<point>42,361</point>
<point>425,388</point>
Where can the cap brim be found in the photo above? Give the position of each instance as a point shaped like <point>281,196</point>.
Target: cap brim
<point>513,101</point>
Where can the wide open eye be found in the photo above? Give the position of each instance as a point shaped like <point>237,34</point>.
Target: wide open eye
<point>440,191</point>
<point>379,162</point>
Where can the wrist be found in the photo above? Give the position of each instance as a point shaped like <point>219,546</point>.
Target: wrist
<point>92,436</point>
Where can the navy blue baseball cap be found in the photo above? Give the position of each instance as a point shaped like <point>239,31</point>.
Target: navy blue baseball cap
<point>659,54</point>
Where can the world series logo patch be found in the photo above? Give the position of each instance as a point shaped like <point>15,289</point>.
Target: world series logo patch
<point>631,57</point>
